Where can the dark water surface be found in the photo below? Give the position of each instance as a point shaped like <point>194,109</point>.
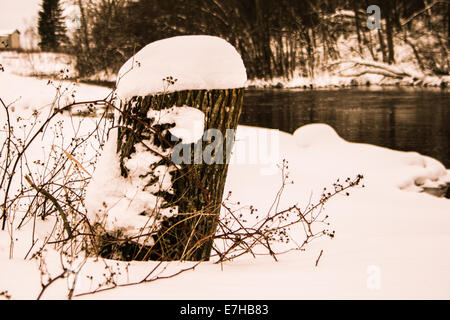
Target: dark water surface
<point>408,119</point>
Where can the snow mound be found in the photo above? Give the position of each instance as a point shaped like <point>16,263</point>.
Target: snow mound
<point>380,166</point>
<point>196,62</point>
<point>315,135</point>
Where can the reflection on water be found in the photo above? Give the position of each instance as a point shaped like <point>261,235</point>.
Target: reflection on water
<point>408,119</point>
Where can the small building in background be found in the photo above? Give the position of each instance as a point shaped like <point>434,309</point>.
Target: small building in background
<point>10,39</point>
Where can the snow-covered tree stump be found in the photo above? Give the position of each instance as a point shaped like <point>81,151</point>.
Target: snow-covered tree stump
<point>180,102</point>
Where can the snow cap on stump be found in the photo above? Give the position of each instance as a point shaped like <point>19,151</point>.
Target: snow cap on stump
<point>196,62</point>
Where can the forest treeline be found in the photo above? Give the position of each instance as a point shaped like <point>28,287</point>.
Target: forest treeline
<point>283,38</point>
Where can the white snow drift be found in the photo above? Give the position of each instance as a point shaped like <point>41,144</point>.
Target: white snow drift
<point>381,166</point>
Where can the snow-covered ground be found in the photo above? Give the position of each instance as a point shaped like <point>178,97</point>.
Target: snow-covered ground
<point>30,94</point>
<point>39,64</point>
<point>392,240</point>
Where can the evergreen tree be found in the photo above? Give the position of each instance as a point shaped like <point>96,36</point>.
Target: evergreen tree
<point>52,28</point>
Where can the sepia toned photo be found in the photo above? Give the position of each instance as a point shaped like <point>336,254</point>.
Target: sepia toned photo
<point>224,150</point>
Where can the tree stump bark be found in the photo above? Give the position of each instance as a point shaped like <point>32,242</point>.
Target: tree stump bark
<point>197,187</point>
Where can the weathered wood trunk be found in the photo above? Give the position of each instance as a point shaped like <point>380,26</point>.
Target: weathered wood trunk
<point>197,188</point>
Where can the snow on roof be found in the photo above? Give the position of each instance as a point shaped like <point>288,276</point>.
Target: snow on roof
<point>196,62</point>
<point>8,32</point>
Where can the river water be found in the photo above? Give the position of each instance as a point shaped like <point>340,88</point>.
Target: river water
<point>408,119</point>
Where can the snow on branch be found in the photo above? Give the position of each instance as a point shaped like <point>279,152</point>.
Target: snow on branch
<point>362,67</point>
<point>418,13</point>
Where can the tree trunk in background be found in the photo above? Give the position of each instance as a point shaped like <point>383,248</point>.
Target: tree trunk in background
<point>390,40</point>
<point>263,38</point>
<point>84,27</point>
<point>448,24</point>
<point>292,62</point>
<point>358,31</point>
<point>369,45</point>
<point>198,188</point>
<point>311,50</point>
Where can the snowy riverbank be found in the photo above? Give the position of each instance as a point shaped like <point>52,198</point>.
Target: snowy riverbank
<point>331,80</point>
